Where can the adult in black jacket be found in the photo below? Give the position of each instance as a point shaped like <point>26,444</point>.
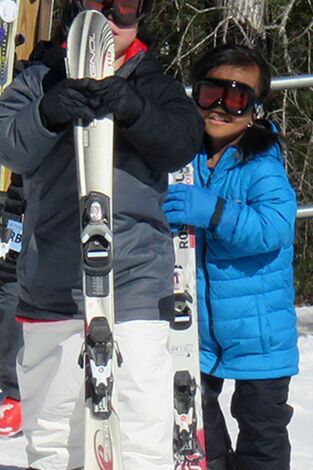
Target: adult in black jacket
<point>157,130</point>
<point>11,338</point>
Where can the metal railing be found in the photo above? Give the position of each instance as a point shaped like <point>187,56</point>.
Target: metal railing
<point>305,212</point>
<point>287,83</point>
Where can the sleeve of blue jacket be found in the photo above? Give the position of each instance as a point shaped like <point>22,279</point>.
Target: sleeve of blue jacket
<point>264,222</point>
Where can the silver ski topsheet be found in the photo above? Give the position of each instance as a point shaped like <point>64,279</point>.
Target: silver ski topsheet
<point>90,54</point>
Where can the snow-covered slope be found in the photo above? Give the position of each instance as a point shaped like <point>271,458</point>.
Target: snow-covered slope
<point>12,451</point>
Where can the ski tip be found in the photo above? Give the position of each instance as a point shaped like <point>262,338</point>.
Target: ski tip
<point>90,46</point>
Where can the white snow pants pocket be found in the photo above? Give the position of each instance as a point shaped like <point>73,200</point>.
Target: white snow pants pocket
<point>145,392</point>
<point>52,394</point>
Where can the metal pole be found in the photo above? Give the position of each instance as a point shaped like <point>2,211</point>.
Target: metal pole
<point>283,83</point>
<point>305,212</point>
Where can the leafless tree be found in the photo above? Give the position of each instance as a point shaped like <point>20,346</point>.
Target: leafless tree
<point>248,15</point>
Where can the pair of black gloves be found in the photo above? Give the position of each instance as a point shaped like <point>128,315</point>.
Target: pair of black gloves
<point>88,99</point>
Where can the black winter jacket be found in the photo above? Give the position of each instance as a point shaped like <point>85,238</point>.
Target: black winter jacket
<point>13,210</point>
<point>163,139</point>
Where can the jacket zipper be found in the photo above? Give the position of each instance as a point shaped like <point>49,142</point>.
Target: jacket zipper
<point>208,299</point>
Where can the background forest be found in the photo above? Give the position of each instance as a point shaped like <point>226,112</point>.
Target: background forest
<point>283,30</point>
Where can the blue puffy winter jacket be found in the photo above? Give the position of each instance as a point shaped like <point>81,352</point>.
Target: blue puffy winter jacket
<point>245,272</point>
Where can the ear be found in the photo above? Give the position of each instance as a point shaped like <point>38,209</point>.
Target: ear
<point>254,117</point>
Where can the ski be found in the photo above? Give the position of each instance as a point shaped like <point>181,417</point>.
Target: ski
<point>90,53</point>
<point>9,10</point>
<point>28,27</point>
<point>189,442</point>
<point>45,20</point>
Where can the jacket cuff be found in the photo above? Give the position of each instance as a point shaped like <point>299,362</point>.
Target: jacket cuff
<point>227,221</point>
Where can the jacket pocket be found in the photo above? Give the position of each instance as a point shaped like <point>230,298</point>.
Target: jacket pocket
<point>28,264</point>
<point>245,332</point>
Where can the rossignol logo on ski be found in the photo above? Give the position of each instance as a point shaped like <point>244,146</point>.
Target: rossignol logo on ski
<point>92,51</point>
<point>103,449</point>
<point>186,237</point>
<point>109,57</point>
<point>186,233</point>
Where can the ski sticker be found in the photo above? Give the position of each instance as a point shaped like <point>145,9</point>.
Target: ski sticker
<point>103,449</point>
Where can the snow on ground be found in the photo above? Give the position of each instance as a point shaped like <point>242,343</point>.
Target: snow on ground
<point>301,399</point>
<point>12,451</point>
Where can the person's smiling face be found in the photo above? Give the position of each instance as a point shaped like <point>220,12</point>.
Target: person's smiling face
<point>220,125</point>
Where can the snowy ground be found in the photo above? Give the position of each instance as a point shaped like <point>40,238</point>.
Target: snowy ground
<point>12,452</point>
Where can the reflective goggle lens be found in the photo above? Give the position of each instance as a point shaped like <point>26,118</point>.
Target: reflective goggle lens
<point>236,100</point>
<point>125,12</point>
<point>234,97</point>
<point>99,5</point>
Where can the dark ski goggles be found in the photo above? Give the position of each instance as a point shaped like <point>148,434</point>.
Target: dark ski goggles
<point>124,12</point>
<point>235,98</point>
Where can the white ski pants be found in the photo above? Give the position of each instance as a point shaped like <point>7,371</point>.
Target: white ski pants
<point>52,395</point>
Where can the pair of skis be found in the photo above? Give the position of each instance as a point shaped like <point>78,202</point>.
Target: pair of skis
<point>12,13</point>
<point>90,54</point>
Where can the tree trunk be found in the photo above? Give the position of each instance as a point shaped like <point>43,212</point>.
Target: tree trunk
<point>246,14</point>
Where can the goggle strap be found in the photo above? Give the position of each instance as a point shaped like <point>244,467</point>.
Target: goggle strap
<point>258,109</point>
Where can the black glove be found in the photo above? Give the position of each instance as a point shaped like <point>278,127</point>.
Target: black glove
<point>64,103</point>
<point>51,55</point>
<point>115,95</point>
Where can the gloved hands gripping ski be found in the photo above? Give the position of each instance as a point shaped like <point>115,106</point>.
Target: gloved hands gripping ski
<point>115,95</point>
<point>88,99</point>
<point>64,103</point>
<point>190,205</point>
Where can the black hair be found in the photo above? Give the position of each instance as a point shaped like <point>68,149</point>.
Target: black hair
<point>257,139</point>
<point>260,136</point>
<point>230,54</point>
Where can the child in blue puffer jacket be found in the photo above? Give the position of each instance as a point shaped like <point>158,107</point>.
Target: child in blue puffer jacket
<point>244,211</point>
